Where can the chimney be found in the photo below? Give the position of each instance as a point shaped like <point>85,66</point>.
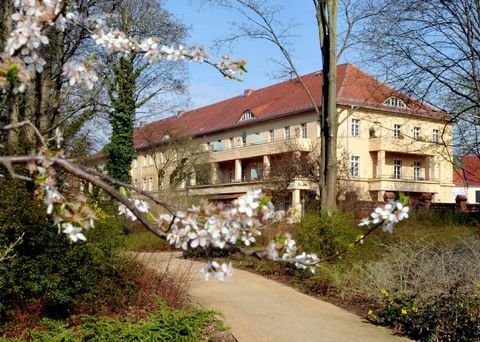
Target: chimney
<point>247,92</point>
<point>179,113</point>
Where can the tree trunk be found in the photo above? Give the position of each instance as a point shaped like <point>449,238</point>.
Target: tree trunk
<point>120,150</point>
<point>326,13</point>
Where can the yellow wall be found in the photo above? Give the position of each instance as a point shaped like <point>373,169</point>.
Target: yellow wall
<point>436,169</point>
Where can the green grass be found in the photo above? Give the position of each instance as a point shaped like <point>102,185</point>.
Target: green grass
<point>164,325</point>
<point>142,240</point>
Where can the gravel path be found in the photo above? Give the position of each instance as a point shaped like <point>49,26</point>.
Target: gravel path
<point>258,309</point>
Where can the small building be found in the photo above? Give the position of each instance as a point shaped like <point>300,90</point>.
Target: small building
<point>467,179</point>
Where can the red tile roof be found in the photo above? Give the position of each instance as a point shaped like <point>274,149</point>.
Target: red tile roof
<point>469,175</point>
<point>354,88</point>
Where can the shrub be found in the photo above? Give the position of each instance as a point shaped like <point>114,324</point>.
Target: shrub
<point>49,275</point>
<point>163,325</point>
<point>324,233</point>
<point>450,316</point>
<point>419,268</point>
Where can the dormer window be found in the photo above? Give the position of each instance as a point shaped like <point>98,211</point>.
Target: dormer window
<point>247,115</point>
<point>395,102</point>
<point>166,137</point>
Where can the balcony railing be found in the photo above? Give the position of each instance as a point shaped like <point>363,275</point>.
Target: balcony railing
<point>213,148</point>
<point>406,178</point>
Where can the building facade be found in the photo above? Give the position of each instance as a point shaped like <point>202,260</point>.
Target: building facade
<point>388,142</point>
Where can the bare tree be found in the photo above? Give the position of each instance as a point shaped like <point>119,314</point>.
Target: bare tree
<point>430,49</point>
<point>177,160</point>
<point>261,21</point>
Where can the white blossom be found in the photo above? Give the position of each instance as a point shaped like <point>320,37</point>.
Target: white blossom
<point>74,233</point>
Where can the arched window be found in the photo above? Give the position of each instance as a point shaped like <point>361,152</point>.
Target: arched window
<point>247,115</point>
<point>395,102</point>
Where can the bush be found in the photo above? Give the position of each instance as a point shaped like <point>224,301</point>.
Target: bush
<point>420,268</point>
<point>324,234</point>
<point>163,325</point>
<point>450,316</point>
<point>49,275</point>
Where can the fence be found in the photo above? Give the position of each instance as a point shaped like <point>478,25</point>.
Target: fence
<point>364,208</point>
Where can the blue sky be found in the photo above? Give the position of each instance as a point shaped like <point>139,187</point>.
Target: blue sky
<point>208,24</point>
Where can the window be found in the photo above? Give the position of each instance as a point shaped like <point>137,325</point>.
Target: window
<point>397,169</point>
<point>232,144</point>
<point>286,132</point>
<point>477,196</point>
<point>287,203</point>
<point>355,127</point>
<point>397,131</point>
<point>247,115</point>
<point>150,183</point>
<point>257,138</point>
<point>303,130</point>
<point>354,166</point>
<point>416,133</point>
<point>435,136</point>
<point>416,170</point>
<point>395,102</point>
<point>244,139</point>
<point>166,137</point>
<point>271,135</point>
<point>144,184</point>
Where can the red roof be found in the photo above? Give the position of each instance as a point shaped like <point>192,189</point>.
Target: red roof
<point>469,175</point>
<point>354,87</point>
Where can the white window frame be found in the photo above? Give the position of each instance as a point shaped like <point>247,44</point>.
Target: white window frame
<point>303,131</point>
<point>416,133</point>
<point>417,170</point>
<point>397,169</point>
<point>286,132</point>
<point>247,115</point>
<point>395,102</point>
<point>355,166</point>
<point>271,135</point>
<point>355,127</point>
<point>397,131</point>
<point>436,136</point>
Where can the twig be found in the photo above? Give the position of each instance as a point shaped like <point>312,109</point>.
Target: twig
<point>27,123</point>
<point>5,255</point>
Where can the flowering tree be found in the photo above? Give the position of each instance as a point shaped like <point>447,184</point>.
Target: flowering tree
<point>233,228</point>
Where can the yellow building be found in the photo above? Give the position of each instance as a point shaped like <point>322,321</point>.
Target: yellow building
<point>389,142</point>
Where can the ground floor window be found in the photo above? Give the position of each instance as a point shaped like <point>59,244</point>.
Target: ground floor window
<point>477,196</point>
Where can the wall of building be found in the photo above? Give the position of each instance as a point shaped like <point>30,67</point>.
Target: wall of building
<point>375,145</point>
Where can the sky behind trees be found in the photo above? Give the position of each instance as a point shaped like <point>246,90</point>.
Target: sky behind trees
<point>208,24</point>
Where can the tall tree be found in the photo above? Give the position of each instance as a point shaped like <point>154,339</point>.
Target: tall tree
<point>261,21</point>
<point>132,81</point>
<point>326,14</point>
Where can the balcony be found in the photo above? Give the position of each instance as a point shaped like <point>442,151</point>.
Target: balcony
<point>403,145</point>
<point>233,187</point>
<point>219,154</point>
<point>404,184</point>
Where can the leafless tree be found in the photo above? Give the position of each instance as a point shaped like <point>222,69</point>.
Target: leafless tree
<point>260,20</point>
<point>430,49</point>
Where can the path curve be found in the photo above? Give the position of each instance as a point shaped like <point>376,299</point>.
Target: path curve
<point>258,309</point>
